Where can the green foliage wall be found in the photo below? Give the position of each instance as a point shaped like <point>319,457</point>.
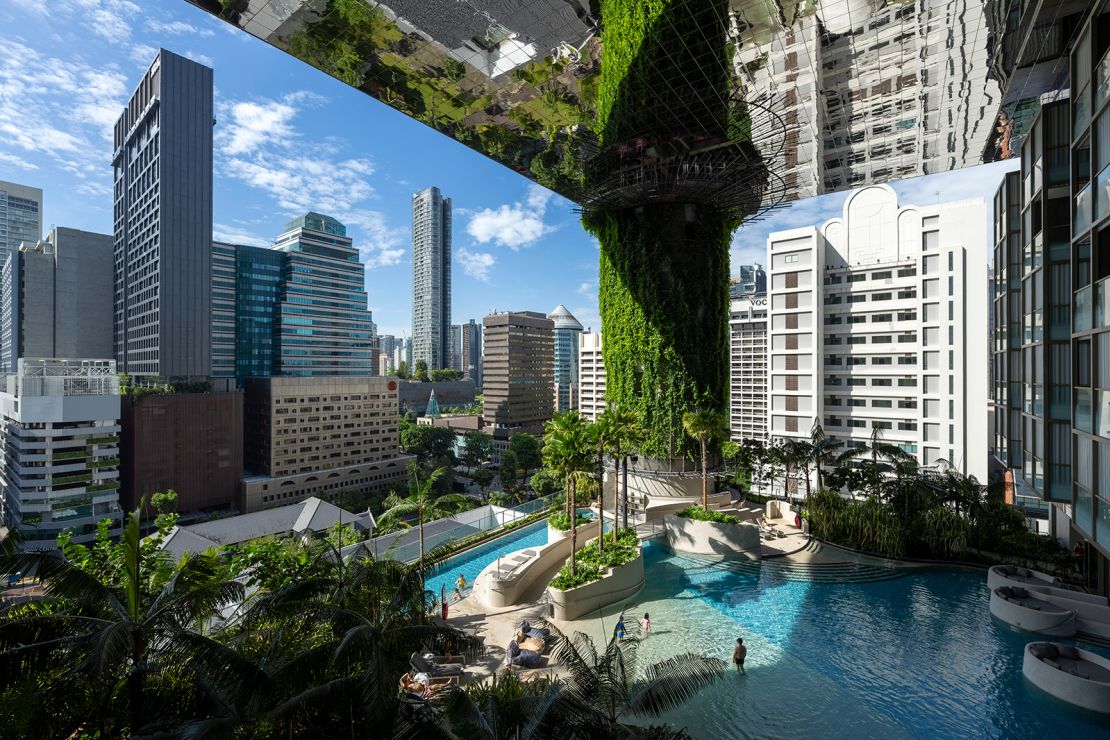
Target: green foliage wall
<point>664,267</point>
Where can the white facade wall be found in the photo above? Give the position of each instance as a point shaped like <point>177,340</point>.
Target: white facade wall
<point>892,328</point>
<point>591,375</point>
<point>748,368</point>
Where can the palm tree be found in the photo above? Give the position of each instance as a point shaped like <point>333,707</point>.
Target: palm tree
<point>423,501</point>
<point>704,425</point>
<point>822,451</point>
<point>111,643</point>
<point>567,451</point>
<point>608,688</point>
<point>618,435</point>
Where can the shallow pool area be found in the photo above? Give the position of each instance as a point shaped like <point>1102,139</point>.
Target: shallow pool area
<point>845,652</point>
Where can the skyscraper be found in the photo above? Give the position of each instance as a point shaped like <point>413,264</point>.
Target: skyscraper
<point>57,299</point>
<point>567,330</point>
<point>20,216</point>
<point>472,352</point>
<point>877,326</point>
<point>431,278</point>
<point>296,309</point>
<point>163,222</point>
<point>518,381</point>
<point>456,362</point>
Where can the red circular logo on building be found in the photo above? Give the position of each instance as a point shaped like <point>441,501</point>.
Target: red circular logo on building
<point>393,385</point>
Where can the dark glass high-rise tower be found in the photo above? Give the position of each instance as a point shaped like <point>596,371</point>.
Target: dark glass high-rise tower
<point>162,199</point>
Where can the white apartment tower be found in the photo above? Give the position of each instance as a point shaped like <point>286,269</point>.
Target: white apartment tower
<point>431,279</point>
<point>748,368</point>
<point>591,375</point>
<point>877,325</point>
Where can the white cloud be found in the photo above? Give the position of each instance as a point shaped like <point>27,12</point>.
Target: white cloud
<point>108,19</point>
<point>16,161</point>
<point>588,289</point>
<point>200,58</point>
<point>516,225</point>
<point>142,53</point>
<point>260,146</point>
<point>178,28</point>
<point>237,235</point>
<point>475,264</point>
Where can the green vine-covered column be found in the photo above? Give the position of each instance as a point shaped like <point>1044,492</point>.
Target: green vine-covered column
<point>664,271</point>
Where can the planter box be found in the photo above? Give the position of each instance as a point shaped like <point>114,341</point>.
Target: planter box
<point>616,585</point>
<point>712,538</point>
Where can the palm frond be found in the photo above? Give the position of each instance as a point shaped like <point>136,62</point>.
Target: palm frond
<point>669,683</point>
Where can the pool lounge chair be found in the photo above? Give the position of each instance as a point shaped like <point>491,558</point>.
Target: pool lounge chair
<point>421,665</point>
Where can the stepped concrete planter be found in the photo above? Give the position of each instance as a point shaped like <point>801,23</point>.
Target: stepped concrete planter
<point>713,538</point>
<point>616,585</point>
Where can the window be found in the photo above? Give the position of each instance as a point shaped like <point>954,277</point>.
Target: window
<point>910,293</point>
<point>907,382</point>
<point>882,382</point>
<point>907,404</point>
<point>857,340</point>
<point>857,319</point>
<point>857,298</point>
<point>832,421</point>
<point>881,403</point>
<point>832,380</point>
<point>832,299</point>
<point>857,402</point>
<point>907,315</point>
<point>884,275</point>
<point>881,361</point>
<point>883,317</point>
<point>907,426</point>
<point>857,381</point>
<point>832,280</point>
<point>857,360</point>
<point>857,423</point>
<point>907,360</point>
<point>907,272</point>
<point>881,297</point>
<point>790,259</point>
<point>832,320</point>
<point>858,277</point>
<point>881,339</point>
<point>881,425</point>
<point>907,338</point>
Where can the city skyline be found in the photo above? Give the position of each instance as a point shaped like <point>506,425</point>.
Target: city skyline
<point>289,139</point>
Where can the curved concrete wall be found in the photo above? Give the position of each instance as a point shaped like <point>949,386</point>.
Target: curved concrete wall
<point>497,592</point>
<point>1065,685</point>
<point>1011,575</point>
<point>711,538</point>
<point>615,586</point>
<point>1042,617</point>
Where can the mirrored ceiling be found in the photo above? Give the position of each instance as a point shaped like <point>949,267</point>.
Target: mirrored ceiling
<point>839,93</point>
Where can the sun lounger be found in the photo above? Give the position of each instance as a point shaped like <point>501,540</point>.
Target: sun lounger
<point>435,669</point>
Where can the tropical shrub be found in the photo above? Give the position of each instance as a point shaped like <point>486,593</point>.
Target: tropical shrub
<point>561,521</point>
<point>701,515</point>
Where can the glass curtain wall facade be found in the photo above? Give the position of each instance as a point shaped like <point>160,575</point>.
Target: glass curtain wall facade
<point>567,329</point>
<point>323,324</point>
<point>1090,268</point>
<point>20,216</point>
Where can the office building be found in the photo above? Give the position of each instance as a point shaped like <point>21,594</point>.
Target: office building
<point>296,309</point>
<point>472,352</point>
<point>566,334</point>
<point>60,422</point>
<point>591,375</point>
<point>20,216</point>
<point>877,324</point>
<point>163,222</point>
<point>518,373</point>
<point>748,368</point>
<point>456,347</point>
<point>190,442</point>
<point>431,279</point>
<point>56,298</point>
<point>319,436</point>
<point>751,279</point>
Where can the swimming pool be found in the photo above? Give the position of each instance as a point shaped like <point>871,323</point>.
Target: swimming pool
<point>904,653</point>
<point>473,561</point>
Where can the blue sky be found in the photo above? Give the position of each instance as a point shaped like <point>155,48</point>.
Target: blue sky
<point>291,139</point>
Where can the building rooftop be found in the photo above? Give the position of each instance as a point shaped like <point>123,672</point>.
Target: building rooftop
<point>564,319</point>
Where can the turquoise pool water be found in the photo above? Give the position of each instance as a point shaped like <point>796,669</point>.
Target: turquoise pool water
<point>473,561</point>
<point>895,654</point>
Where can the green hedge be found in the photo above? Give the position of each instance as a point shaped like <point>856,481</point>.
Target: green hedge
<point>561,521</point>
<point>590,562</point>
<point>71,454</point>
<point>109,486</point>
<point>109,440</point>
<point>701,515</point>
<point>107,463</point>
<point>72,478</point>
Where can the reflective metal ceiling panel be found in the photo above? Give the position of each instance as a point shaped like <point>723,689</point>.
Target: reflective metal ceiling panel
<point>841,93</point>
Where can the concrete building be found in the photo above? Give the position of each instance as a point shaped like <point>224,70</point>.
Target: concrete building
<point>1065,408</point>
<point>56,298</point>
<point>751,279</point>
<point>319,436</point>
<point>748,368</point>
<point>60,422</point>
<point>190,442</point>
<point>456,347</point>
<point>163,222</point>
<point>591,375</point>
<point>431,279</point>
<point>567,329</point>
<point>20,216</point>
<point>877,324</point>
<point>518,374</point>
<point>472,352</point>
